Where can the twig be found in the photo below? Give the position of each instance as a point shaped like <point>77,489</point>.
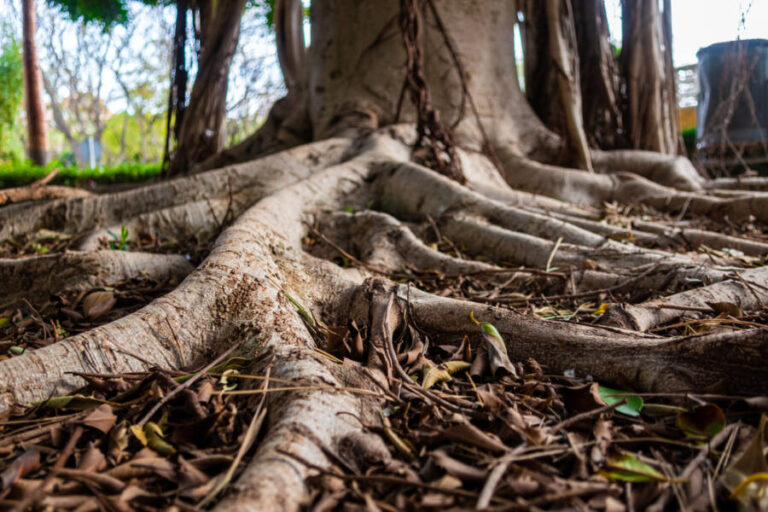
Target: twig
<point>188,383</point>
<point>45,485</point>
<point>250,437</point>
<point>552,254</point>
<point>45,179</point>
<point>751,289</point>
<point>386,479</point>
<point>586,415</point>
<point>490,484</point>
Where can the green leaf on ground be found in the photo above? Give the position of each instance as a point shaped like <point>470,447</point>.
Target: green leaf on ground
<point>610,396</point>
<point>627,468</point>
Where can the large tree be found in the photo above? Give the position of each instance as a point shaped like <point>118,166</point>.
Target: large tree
<point>393,98</point>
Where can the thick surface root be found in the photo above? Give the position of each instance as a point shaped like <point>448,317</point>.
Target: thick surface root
<point>264,289</point>
<point>746,291</point>
<point>53,273</point>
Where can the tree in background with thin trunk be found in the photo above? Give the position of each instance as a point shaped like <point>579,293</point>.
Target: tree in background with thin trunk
<point>33,99</point>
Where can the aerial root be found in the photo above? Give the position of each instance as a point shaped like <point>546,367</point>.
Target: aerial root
<point>746,291</point>
<point>71,270</point>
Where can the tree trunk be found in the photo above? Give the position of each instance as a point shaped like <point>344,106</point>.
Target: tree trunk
<point>599,76</point>
<point>33,99</point>
<point>269,286</point>
<point>200,134</point>
<point>552,71</point>
<point>649,77</point>
<point>289,36</point>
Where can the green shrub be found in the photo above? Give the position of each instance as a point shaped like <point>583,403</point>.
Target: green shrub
<point>23,173</point>
<point>689,139</point>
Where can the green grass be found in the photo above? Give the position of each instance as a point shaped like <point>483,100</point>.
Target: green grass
<point>689,139</point>
<point>23,173</point>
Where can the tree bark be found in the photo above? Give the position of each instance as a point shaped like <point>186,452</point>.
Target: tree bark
<point>649,79</point>
<point>33,99</point>
<point>289,36</point>
<point>200,135</point>
<point>599,76</point>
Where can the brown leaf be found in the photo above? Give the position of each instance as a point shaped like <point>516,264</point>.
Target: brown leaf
<point>98,304</point>
<point>490,399</point>
<point>189,475</point>
<point>470,434</point>
<point>703,421</point>
<point>518,423</point>
<point>24,464</point>
<point>93,459</point>
<point>102,418</point>
<point>726,308</point>
<point>583,398</point>
<point>457,468</point>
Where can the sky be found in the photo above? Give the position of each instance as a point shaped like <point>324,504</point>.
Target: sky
<point>699,23</point>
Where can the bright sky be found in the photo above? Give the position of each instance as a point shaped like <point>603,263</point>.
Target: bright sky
<point>699,23</point>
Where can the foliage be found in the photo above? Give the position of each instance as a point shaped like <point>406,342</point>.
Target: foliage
<point>11,95</point>
<point>147,146</point>
<point>121,242</point>
<point>109,13</point>
<point>19,174</point>
<point>689,139</point>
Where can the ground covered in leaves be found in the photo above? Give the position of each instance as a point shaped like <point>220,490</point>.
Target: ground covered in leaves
<point>464,427</point>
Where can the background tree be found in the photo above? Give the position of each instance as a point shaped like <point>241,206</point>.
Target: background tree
<point>650,115</point>
<point>36,130</point>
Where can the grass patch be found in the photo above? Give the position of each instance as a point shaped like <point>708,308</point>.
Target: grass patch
<point>20,174</point>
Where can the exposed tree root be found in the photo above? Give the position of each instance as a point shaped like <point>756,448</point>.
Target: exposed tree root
<point>649,234</point>
<point>52,273</point>
<point>756,184</point>
<point>745,292</point>
<point>672,171</point>
<point>197,220</point>
<point>428,194</point>
<point>642,362</point>
<point>32,193</point>
<point>628,188</point>
<point>88,213</point>
<point>258,274</point>
<point>389,246</point>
